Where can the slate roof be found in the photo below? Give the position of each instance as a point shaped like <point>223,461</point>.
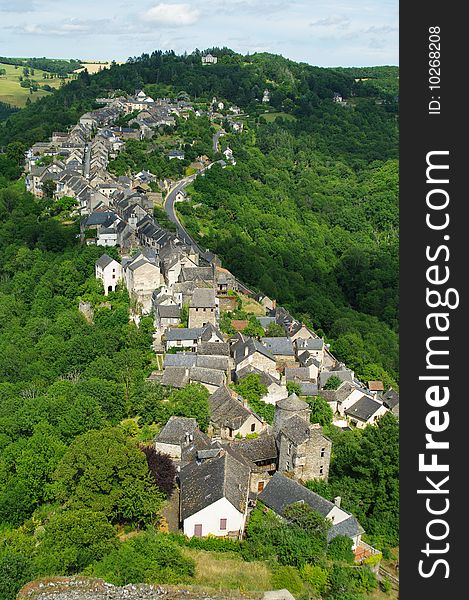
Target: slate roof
<point>175,430</point>
<point>209,376</point>
<point>281,491</point>
<point>175,376</point>
<point>265,378</point>
<point>183,333</point>
<point>213,349</point>
<point>292,403</point>
<point>221,363</point>
<point>265,321</point>
<point>309,389</point>
<point>208,331</point>
<point>205,483</point>
<point>279,345</point>
<point>253,346</point>
<point>296,429</point>
<point>194,273</point>
<point>259,449</point>
<point>310,344</point>
<point>168,311</point>
<point>203,298</point>
<point>99,218</point>
<point>103,261</point>
<point>391,399</point>
<point>180,359</point>
<point>227,411</point>
<point>363,408</point>
<point>297,374</point>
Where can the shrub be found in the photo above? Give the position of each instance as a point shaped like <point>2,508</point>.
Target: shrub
<point>285,577</point>
<point>148,558</point>
<point>316,576</point>
<point>340,549</point>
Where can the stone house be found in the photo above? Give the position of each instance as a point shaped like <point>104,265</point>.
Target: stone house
<point>142,277</point>
<point>276,390</point>
<point>167,316</point>
<point>261,452</point>
<point>109,271</point>
<point>183,337</point>
<point>203,308</point>
<point>304,450</point>
<point>282,350</point>
<point>230,416</point>
<point>249,351</point>
<point>313,346</point>
<point>180,438</point>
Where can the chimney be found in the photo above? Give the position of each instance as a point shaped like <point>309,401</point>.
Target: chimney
<point>246,350</point>
<point>187,372</point>
<point>337,501</point>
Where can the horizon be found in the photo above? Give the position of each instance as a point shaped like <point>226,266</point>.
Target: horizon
<point>317,32</point>
<point>121,62</point>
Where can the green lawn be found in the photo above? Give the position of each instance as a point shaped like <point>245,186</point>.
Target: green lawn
<point>12,93</point>
<point>270,117</point>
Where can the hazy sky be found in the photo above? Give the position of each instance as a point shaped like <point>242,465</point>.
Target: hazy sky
<point>320,32</point>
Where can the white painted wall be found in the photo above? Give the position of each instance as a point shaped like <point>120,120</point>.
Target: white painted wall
<point>110,275</point>
<point>210,517</point>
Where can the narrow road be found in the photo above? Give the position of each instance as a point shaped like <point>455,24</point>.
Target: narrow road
<point>169,209</point>
<point>216,139</point>
<point>86,163</point>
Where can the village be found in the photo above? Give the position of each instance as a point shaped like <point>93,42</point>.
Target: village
<point>188,292</point>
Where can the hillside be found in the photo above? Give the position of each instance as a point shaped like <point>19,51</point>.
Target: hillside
<point>11,91</point>
<point>304,209</point>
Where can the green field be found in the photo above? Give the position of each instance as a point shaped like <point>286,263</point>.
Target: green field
<point>12,93</point>
<point>270,117</point>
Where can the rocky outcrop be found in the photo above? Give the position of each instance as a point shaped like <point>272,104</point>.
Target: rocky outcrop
<point>88,588</point>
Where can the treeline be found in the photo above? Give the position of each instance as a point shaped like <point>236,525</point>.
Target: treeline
<point>6,110</point>
<point>242,80</point>
<point>61,67</point>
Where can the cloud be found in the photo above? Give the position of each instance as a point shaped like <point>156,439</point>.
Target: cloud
<point>172,14</point>
<point>18,6</point>
<point>72,26</point>
<point>331,22</point>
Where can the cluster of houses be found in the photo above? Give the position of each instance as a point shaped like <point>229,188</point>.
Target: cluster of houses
<point>241,457</point>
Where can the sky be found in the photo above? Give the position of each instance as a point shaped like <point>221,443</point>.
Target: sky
<point>320,32</point>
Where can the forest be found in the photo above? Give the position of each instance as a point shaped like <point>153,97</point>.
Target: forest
<point>308,215</point>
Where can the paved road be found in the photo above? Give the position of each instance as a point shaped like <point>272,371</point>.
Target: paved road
<point>216,139</point>
<point>86,163</point>
<point>169,203</point>
<point>170,211</point>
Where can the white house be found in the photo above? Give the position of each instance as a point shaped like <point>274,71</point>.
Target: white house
<point>214,495</point>
<point>109,272</point>
<point>209,59</point>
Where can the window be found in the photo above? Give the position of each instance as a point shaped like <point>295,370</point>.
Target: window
<point>222,524</point>
<point>321,470</point>
<point>323,452</point>
<point>198,530</point>
<point>287,465</point>
<point>290,446</point>
<point>260,486</point>
<point>253,427</point>
<point>113,276</point>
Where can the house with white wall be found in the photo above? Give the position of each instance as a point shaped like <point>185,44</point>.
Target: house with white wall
<point>109,271</point>
<point>214,495</point>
